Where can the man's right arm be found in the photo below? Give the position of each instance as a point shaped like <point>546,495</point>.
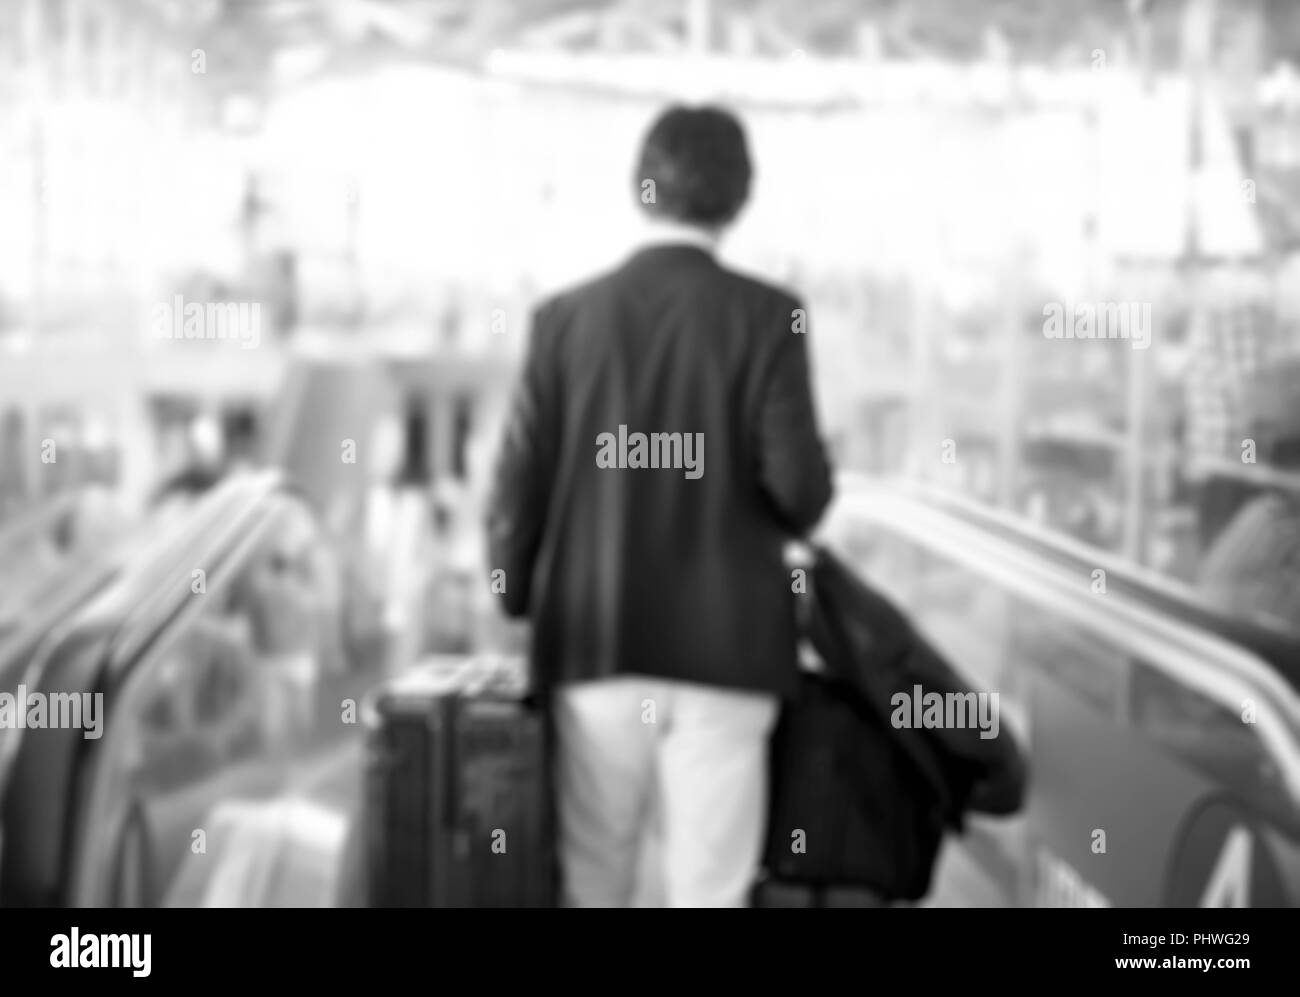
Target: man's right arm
<point>794,471</point>
<point>521,488</point>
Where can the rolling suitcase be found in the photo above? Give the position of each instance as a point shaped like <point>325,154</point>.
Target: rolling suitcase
<point>457,809</point>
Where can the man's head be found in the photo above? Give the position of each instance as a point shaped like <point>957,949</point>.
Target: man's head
<point>694,168</point>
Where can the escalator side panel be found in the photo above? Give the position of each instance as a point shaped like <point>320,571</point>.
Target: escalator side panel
<point>1099,785</point>
<point>41,785</point>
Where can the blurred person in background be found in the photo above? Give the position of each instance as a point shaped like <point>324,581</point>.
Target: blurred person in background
<point>663,621</point>
<point>241,442</point>
<point>281,596</point>
<point>397,529</point>
<point>204,462</point>
<point>1253,567</point>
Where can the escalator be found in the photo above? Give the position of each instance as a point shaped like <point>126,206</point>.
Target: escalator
<point>147,592</point>
<point>39,595</point>
<point>1164,746</point>
<point>1164,739</point>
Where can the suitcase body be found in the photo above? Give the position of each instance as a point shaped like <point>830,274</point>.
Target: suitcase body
<point>457,809</point>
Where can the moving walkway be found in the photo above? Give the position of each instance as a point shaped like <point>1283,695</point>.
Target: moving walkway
<point>1162,736</point>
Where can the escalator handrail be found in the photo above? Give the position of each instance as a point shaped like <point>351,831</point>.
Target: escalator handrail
<point>1190,655</point>
<point>80,585</point>
<point>1252,474</point>
<point>1040,537</point>
<point>161,597</point>
<point>1280,646</point>
<point>130,559</point>
<point>200,530</point>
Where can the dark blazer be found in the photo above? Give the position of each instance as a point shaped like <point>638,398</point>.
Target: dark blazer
<point>868,643</point>
<point>878,798</point>
<point>644,570</point>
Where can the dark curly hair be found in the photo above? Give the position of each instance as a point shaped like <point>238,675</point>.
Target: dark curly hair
<point>699,161</point>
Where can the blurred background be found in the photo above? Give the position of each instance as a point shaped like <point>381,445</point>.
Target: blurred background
<point>265,274</point>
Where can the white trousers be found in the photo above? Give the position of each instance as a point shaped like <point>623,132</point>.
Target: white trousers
<point>660,779</point>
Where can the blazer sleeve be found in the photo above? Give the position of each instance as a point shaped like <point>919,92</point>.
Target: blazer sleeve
<point>794,471</point>
<point>522,478</point>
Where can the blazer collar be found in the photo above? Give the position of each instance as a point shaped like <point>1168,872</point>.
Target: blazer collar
<point>674,244</point>
<point>674,234</point>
